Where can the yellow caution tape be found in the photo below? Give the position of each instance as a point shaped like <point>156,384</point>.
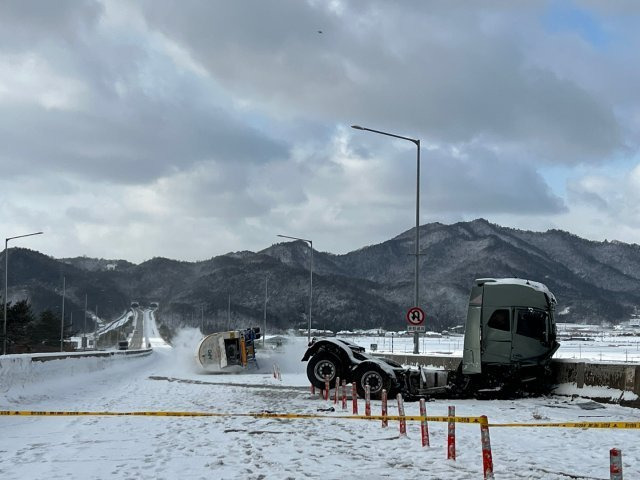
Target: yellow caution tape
<point>33,413</point>
<point>623,425</point>
<point>311,416</point>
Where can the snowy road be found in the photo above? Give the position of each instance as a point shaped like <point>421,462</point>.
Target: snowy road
<point>243,447</point>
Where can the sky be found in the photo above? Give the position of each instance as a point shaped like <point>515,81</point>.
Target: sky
<point>191,129</point>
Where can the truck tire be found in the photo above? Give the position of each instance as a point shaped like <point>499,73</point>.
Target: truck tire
<point>321,364</point>
<point>375,376</point>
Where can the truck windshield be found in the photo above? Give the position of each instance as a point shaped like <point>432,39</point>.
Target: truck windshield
<point>532,323</point>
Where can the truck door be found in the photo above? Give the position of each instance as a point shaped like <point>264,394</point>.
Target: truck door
<point>471,353</point>
<point>531,338</point>
<point>496,339</point>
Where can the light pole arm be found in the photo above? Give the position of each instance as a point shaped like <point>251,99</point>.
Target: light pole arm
<point>414,140</point>
<point>296,238</point>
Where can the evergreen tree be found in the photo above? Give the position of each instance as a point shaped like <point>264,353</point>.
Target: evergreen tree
<point>19,316</point>
<point>44,331</point>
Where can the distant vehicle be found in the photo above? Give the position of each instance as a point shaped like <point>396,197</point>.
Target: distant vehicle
<point>233,350</point>
<point>153,305</point>
<point>123,345</point>
<point>135,304</point>
<point>510,337</point>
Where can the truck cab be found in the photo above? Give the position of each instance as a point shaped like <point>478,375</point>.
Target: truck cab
<point>510,324</point>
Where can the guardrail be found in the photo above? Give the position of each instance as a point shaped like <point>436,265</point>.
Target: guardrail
<point>107,353</point>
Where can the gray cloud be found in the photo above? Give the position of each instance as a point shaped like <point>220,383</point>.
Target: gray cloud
<point>25,23</point>
<point>377,62</point>
<point>228,121</point>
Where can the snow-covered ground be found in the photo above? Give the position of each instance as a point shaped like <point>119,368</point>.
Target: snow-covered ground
<point>605,348</point>
<point>137,447</point>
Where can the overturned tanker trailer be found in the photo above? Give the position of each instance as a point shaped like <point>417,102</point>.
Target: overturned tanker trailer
<point>228,351</point>
<point>510,337</point>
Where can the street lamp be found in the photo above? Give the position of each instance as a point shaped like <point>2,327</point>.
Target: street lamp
<point>416,335</point>
<point>310,279</point>
<point>264,326</point>
<point>6,280</point>
<point>64,289</point>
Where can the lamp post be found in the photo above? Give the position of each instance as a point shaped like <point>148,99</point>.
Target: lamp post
<point>64,288</point>
<point>84,329</point>
<point>416,335</point>
<point>264,326</point>
<point>310,279</point>
<point>6,281</point>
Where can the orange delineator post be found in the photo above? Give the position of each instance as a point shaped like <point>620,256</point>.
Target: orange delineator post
<point>326,387</point>
<point>615,464</point>
<point>385,422</point>
<point>344,394</point>
<point>424,428</point>
<point>354,398</point>
<point>367,400</point>
<point>487,459</point>
<point>451,434</point>
<point>403,421</point>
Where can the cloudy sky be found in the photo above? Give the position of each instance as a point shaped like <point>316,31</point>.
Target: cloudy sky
<point>188,129</point>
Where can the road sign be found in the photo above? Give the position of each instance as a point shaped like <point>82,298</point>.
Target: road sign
<point>415,316</point>
<point>416,328</point>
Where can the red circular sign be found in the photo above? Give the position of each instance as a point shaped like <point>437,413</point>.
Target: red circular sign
<point>415,316</point>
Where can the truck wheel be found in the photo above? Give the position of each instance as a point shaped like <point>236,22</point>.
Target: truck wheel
<point>321,364</point>
<point>375,376</point>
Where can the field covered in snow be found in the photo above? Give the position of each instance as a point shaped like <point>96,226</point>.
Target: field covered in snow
<point>232,447</point>
<point>605,347</point>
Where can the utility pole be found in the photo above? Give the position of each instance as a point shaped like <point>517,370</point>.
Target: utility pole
<point>64,287</point>
<point>84,329</point>
<point>264,326</point>
<point>229,312</point>
<point>95,331</point>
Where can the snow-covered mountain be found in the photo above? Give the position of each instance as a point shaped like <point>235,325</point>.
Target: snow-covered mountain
<point>367,288</point>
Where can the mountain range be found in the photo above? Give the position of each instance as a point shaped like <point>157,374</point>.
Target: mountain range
<point>371,287</point>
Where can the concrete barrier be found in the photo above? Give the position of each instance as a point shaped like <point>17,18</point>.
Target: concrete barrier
<point>620,376</point>
<point>35,357</point>
<point>20,371</point>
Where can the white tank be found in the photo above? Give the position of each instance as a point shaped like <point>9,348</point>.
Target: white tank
<point>222,351</point>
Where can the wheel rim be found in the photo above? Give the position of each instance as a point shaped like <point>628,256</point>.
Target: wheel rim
<point>374,379</point>
<point>325,367</point>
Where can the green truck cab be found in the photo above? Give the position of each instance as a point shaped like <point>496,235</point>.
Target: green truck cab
<point>510,327</point>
